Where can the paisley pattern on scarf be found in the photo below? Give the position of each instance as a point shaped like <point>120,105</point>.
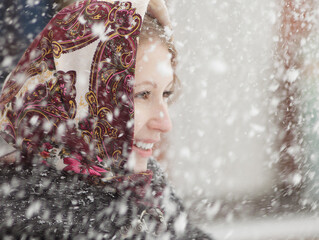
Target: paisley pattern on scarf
<point>38,103</point>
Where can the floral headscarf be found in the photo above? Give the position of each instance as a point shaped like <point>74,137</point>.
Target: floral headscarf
<point>69,100</point>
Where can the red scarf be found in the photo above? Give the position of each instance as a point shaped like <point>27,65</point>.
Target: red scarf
<point>69,100</point>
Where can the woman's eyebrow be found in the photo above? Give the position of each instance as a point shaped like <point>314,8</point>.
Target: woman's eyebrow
<point>170,85</point>
<point>146,83</point>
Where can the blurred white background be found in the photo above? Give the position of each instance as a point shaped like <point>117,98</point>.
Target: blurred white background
<point>221,143</point>
<point>226,149</point>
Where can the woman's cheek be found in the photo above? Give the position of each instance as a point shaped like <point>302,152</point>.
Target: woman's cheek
<point>137,117</point>
<point>141,114</point>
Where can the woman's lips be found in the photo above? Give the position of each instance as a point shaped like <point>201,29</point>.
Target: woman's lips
<point>143,152</point>
<point>143,147</point>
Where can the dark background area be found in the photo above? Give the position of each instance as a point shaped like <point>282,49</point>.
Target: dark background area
<point>20,22</point>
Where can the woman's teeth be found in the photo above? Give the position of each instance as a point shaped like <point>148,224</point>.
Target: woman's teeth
<point>145,146</point>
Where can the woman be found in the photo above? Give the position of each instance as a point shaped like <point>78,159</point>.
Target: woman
<point>85,134</point>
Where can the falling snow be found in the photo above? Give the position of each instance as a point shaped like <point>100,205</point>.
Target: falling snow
<point>243,153</point>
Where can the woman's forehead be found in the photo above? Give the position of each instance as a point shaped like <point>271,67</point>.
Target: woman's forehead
<point>152,53</point>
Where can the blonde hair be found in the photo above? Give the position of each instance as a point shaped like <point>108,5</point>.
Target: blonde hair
<point>151,29</point>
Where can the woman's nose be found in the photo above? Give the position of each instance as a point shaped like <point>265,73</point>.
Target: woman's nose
<point>160,120</point>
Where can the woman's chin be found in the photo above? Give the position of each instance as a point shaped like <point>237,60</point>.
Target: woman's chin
<point>137,162</point>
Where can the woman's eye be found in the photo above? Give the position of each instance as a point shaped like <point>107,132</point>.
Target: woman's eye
<point>167,95</point>
<point>142,95</point>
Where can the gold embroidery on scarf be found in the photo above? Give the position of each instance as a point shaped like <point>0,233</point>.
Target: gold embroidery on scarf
<point>39,65</point>
<point>105,76</point>
<point>67,21</point>
<point>114,90</point>
<point>101,127</point>
<point>116,157</point>
<point>40,113</point>
<point>92,101</point>
<point>72,107</point>
<point>57,49</point>
<point>119,48</point>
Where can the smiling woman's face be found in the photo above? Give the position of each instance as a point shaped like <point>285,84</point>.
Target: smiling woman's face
<point>152,90</point>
